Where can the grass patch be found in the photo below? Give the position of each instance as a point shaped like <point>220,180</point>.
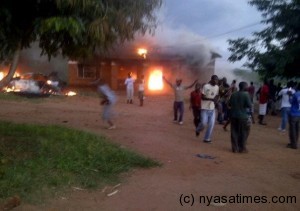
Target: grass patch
<point>10,96</point>
<point>41,161</point>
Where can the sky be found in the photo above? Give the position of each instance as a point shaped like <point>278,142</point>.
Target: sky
<point>208,24</point>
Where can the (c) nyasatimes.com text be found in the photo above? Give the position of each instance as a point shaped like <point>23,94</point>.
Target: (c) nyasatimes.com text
<point>190,199</point>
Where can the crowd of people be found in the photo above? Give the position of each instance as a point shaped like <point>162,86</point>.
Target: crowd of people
<point>217,101</point>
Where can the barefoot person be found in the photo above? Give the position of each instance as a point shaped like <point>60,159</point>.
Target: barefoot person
<point>108,99</point>
<point>178,106</point>
<point>195,104</point>
<point>129,83</point>
<point>141,90</point>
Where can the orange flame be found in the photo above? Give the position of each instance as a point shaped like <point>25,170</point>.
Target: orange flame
<point>155,80</point>
<point>71,93</point>
<point>1,75</point>
<point>142,52</point>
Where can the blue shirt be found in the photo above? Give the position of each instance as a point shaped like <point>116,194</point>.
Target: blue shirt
<point>295,104</point>
<point>107,93</point>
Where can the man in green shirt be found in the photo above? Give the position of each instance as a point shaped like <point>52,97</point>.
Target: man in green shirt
<point>240,105</point>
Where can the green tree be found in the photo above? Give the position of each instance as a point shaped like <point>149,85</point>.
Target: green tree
<point>274,51</point>
<point>73,28</point>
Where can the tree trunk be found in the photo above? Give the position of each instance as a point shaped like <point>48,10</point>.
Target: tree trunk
<point>13,67</point>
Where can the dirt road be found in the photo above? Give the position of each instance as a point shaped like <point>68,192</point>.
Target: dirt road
<point>269,169</point>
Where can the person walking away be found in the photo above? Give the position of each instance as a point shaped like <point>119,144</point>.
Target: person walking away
<point>294,118</point>
<point>251,91</point>
<point>141,90</point>
<point>210,96</point>
<point>278,99</point>
<point>195,104</point>
<point>263,96</point>
<point>178,106</point>
<point>108,100</point>
<point>272,98</point>
<point>230,91</point>
<point>233,86</point>
<point>222,105</point>
<point>240,105</point>
<point>129,82</point>
<point>285,107</point>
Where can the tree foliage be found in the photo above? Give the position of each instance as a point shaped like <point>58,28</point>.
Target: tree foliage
<point>276,49</point>
<point>73,28</point>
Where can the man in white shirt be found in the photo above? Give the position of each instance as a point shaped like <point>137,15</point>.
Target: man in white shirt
<point>285,104</point>
<point>210,94</point>
<point>129,82</point>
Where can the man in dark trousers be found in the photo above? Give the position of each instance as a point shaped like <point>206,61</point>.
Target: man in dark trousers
<point>240,105</point>
<point>294,118</point>
<point>195,103</point>
<point>178,106</point>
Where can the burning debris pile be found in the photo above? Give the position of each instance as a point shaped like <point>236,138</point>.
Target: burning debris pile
<point>36,84</point>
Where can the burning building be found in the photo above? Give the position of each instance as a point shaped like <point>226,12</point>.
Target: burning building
<point>153,64</point>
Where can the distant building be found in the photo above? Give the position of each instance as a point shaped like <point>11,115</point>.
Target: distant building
<point>114,69</point>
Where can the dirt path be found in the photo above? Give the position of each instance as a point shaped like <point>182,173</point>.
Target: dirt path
<point>269,169</point>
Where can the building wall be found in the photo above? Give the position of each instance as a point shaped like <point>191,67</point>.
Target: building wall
<point>75,80</point>
<point>114,72</point>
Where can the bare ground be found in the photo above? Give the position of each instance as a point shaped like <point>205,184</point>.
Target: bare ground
<point>269,169</point>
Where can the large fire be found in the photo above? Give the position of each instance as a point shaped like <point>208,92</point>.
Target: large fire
<point>1,75</point>
<point>155,80</point>
<point>29,83</point>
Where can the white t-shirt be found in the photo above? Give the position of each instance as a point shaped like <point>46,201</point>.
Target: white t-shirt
<point>285,102</point>
<point>142,85</point>
<point>210,92</point>
<point>129,83</point>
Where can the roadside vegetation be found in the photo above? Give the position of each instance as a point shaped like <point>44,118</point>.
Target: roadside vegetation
<point>18,97</point>
<point>38,162</point>
<point>10,96</point>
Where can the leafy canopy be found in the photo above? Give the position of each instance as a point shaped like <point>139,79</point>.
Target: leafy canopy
<point>74,28</point>
<point>274,51</point>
